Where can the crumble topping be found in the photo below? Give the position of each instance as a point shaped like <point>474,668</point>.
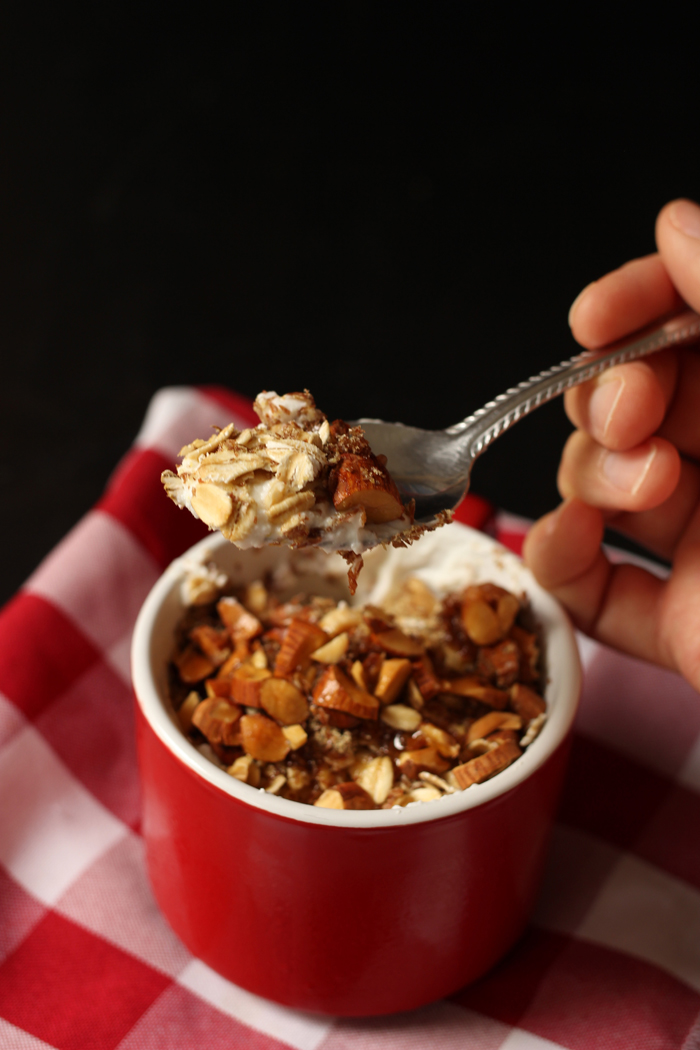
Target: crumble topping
<point>359,707</point>
<point>295,479</point>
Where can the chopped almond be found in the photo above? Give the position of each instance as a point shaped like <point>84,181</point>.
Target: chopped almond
<point>219,687</point>
<point>484,766</point>
<point>241,623</point>
<point>427,759</point>
<point>301,639</point>
<point>500,662</point>
<point>193,666</point>
<point>335,690</point>
<point>186,709</point>
<point>443,742</point>
<point>295,735</point>
<point>526,702</point>
<point>345,796</point>
<point>507,608</point>
<point>246,769</point>
<point>213,643</point>
<point>425,678</point>
<point>246,683</point>
<point>263,739</point>
<point>332,651</point>
<point>361,481</point>
<point>217,720</point>
<point>392,678</point>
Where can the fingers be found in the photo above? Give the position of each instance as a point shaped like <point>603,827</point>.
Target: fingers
<point>678,238</point>
<point>625,405</point>
<point>623,301</point>
<point>619,605</point>
<point>661,528</point>
<point>634,480</point>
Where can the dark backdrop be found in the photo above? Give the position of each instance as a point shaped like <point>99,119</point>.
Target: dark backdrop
<point>393,205</point>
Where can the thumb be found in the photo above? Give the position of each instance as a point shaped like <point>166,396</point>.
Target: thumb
<point>678,239</point>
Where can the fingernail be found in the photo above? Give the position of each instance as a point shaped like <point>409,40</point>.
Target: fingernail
<point>602,405</point>
<point>577,300</point>
<point>685,216</point>
<point>627,470</point>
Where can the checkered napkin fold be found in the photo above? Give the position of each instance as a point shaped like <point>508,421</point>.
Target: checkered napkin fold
<point>611,959</point>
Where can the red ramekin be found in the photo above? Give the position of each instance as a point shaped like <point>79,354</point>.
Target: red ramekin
<point>358,912</point>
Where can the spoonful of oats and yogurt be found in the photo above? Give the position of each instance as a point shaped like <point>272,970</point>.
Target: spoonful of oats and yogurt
<point>294,479</point>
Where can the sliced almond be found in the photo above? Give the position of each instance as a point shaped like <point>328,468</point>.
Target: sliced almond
<point>476,688</point>
<point>393,676</point>
<point>283,701</point>
<point>400,717</point>
<point>332,651</point>
<point>492,721</point>
<point>396,643</point>
<point>212,504</point>
<point>337,691</point>
<point>481,622</point>
<point>377,778</point>
<point>345,796</point>
<point>263,739</point>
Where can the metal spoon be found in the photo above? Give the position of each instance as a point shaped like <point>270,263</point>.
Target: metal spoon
<point>433,466</point>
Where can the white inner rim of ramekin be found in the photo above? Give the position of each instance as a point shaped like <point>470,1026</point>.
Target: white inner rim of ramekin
<point>454,555</point>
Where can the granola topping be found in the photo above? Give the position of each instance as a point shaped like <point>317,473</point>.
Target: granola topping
<point>359,707</point>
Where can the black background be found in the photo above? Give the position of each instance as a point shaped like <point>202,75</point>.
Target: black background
<point>392,205</point>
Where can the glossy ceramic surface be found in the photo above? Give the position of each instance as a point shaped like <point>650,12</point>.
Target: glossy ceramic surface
<point>348,913</point>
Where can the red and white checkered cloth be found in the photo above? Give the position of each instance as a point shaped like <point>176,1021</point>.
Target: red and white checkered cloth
<point>611,959</point>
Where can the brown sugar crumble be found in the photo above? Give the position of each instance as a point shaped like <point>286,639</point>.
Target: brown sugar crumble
<point>358,707</point>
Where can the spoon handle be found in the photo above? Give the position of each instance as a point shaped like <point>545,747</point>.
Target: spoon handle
<point>487,423</point>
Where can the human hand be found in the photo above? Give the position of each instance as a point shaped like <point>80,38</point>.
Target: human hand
<point>633,464</point>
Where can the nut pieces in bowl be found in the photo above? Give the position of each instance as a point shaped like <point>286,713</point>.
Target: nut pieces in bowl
<point>359,707</point>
